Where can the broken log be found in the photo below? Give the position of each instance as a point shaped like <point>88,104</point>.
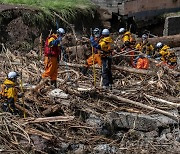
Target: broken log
<point>133,70</point>
<point>44,135</point>
<point>119,68</point>
<point>47,119</point>
<point>162,101</point>
<point>119,98</point>
<point>172,40</point>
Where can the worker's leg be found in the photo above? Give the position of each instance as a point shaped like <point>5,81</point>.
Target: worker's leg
<point>105,71</point>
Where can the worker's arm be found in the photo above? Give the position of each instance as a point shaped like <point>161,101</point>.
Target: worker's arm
<point>94,43</point>
<point>53,42</point>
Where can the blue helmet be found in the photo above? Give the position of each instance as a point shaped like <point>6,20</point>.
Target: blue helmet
<point>105,32</point>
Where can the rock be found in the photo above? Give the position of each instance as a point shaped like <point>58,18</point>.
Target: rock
<point>163,138</point>
<point>94,121</point>
<point>58,93</point>
<point>132,121</point>
<point>150,135</point>
<point>119,135</point>
<point>165,131</point>
<point>80,150</point>
<point>135,135</point>
<point>63,147</point>
<point>105,149</point>
<point>139,122</point>
<point>169,136</point>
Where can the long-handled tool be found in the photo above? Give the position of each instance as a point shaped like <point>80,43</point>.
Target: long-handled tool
<point>94,70</point>
<point>21,87</point>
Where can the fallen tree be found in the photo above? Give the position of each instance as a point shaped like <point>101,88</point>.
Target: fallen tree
<point>121,99</point>
<point>172,40</point>
<point>119,68</point>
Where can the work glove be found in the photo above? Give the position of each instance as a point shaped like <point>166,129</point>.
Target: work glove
<point>92,39</point>
<point>59,39</point>
<point>94,43</point>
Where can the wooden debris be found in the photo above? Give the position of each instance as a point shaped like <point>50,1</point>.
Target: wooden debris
<point>47,119</point>
<point>44,135</point>
<point>119,98</point>
<point>162,101</point>
<point>23,110</point>
<point>51,109</point>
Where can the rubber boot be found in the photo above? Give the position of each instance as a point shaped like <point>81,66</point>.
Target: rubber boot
<point>54,83</point>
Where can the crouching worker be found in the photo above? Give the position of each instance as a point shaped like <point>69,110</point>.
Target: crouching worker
<point>9,93</point>
<point>52,52</point>
<point>95,58</point>
<point>142,62</point>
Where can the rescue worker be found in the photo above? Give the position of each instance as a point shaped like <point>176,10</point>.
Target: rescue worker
<point>162,51</point>
<point>128,44</point>
<point>9,93</point>
<point>172,60</point>
<point>52,53</point>
<point>104,46</point>
<point>145,47</point>
<point>96,55</point>
<point>142,62</point>
<point>126,38</point>
<point>166,55</point>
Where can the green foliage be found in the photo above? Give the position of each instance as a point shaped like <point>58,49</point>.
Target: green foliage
<point>65,7</point>
<point>68,9</point>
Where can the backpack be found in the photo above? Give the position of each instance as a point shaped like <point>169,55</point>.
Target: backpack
<point>47,48</point>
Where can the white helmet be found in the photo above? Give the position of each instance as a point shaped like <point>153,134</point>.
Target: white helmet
<point>121,30</point>
<point>159,45</point>
<point>61,31</point>
<point>12,75</point>
<point>105,32</point>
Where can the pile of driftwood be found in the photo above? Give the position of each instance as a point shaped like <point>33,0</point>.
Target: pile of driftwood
<point>47,121</point>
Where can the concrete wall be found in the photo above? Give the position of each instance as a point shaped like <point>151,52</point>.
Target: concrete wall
<point>172,26</point>
<point>139,8</point>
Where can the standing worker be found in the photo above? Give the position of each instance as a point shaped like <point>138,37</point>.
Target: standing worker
<point>52,53</point>
<point>104,46</point>
<point>96,56</point>
<point>9,93</point>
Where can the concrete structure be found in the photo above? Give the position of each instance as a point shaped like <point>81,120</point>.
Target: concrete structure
<point>140,9</point>
<point>172,26</point>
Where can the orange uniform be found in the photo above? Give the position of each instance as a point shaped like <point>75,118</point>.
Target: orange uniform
<point>51,68</point>
<point>52,52</point>
<point>96,56</point>
<point>142,63</point>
